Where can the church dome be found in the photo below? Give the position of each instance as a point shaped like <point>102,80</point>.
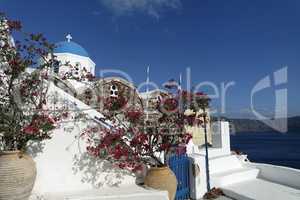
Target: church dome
<point>70,47</point>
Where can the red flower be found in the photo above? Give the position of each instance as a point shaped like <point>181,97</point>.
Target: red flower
<point>30,130</point>
<point>56,119</point>
<point>94,129</point>
<point>181,150</point>
<point>14,24</point>
<point>133,115</point>
<point>185,94</point>
<point>45,76</point>
<point>187,137</point>
<point>170,104</point>
<point>165,146</point>
<point>199,122</point>
<point>50,120</point>
<point>93,151</point>
<point>99,99</point>
<point>122,165</point>
<point>118,152</point>
<point>90,76</point>
<point>190,119</point>
<point>115,103</point>
<point>200,94</point>
<point>138,167</point>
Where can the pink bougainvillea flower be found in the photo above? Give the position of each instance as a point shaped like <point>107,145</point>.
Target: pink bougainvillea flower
<point>133,115</point>
<point>31,130</point>
<point>13,24</point>
<point>51,120</point>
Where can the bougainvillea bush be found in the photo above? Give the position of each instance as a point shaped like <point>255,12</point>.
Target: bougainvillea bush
<point>23,111</point>
<point>137,139</point>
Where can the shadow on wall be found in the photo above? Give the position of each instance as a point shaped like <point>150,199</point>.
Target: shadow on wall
<point>35,148</point>
<point>66,151</point>
<point>99,172</point>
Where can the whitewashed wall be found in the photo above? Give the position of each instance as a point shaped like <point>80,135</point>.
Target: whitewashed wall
<point>62,162</point>
<point>73,59</point>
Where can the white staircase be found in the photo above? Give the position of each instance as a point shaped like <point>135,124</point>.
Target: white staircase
<point>260,189</point>
<point>233,176</point>
<point>237,178</point>
<point>244,182</point>
<point>227,170</point>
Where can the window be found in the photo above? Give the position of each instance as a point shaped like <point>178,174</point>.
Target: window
<point>114,91</point>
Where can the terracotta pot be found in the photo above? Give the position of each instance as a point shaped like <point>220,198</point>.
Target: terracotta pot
<point>162,178</point>
<point>17,175</point>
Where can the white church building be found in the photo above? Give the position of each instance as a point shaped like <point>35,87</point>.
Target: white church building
<point>69,51</point>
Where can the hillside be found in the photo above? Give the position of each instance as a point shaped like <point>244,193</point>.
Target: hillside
<point>250,125</point>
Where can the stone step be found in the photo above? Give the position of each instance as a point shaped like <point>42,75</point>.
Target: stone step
<point>233,176</point>
<point>224,163</point>
<point>260,189</point>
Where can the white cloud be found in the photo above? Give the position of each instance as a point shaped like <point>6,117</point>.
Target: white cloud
<point>150,7</point>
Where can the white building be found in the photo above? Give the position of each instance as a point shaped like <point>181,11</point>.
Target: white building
<point>65,172</point>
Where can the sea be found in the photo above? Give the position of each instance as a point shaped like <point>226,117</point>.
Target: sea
<point>269,147</point>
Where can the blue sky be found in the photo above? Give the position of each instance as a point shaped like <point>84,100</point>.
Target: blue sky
<point>221,41</point>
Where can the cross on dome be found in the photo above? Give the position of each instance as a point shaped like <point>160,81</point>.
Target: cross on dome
<point>69,37</point>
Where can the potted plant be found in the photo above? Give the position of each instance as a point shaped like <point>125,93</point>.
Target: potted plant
<point>23,113</point>
<point>137,139</point>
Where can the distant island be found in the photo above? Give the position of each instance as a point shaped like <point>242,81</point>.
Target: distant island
<point>251,125</point>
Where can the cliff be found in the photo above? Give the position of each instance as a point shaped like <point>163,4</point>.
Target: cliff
<point>250,125</point>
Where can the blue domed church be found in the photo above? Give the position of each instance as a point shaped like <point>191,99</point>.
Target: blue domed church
<point>73,58</point>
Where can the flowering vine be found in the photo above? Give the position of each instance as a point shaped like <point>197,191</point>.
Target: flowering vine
<point>137,139</point>
<point>23,95</point>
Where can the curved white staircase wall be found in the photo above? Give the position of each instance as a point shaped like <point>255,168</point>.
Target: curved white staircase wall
<point>63,165</point>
